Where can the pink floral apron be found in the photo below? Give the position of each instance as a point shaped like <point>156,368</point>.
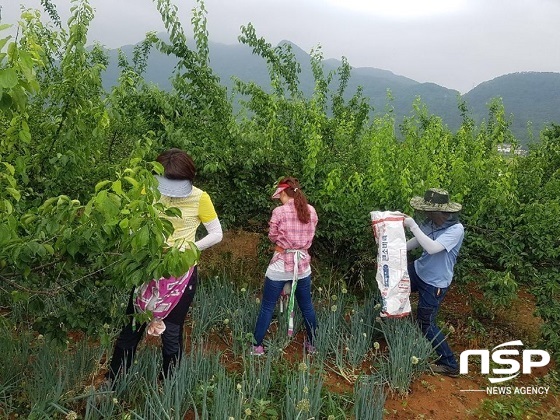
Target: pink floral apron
<point>160,297</point>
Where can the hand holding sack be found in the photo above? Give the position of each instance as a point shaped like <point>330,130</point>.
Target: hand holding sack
<point>409,222</point>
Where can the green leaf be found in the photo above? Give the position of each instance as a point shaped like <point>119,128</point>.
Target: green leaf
<point>18,296</point>
<point>5,234</point>
<point>12,48</point>
<point>101,185</point>
<point>72,248</point>
<point>5,101</point>
<point>131,181</point>
<point>117,187</point>
<point>141,239</point>
<point>24,136</point>
<point>10,168</point>
<point>19,97</point>
<point>8,78</point>
<point>49,248</point>
<point>34,247</point>
<point>14,193</point>
<point>173,212</point>
<point>8,207</point>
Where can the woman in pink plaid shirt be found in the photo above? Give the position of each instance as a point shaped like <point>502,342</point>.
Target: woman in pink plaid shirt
<point>292,228</point>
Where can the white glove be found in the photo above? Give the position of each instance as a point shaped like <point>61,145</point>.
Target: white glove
<point>409,222</point>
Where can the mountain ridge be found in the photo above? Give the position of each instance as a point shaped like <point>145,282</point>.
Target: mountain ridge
<point>531,99</point>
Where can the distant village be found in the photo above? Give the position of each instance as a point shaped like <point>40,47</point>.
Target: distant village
<point>508,149</point>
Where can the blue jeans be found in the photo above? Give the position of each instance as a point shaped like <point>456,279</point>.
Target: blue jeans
<point>271,293</point>
<point>430,298</point>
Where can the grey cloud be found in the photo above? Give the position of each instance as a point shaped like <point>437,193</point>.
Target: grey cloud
<point>486,39</point>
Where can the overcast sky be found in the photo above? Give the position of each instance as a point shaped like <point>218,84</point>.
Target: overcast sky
<point>454,43</point>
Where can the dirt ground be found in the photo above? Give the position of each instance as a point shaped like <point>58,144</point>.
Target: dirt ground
<point>432,396</point>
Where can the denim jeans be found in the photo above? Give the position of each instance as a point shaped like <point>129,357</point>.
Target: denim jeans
<point>430,298</point>
<point>271,293</point>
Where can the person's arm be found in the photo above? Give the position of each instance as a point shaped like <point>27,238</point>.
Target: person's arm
<point>213,236</point>
<point>273,227</point>
<point>430,246</point>
<point>412,244</point>
<point>209,219</point>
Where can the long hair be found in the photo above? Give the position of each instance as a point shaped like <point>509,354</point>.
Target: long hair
<point>300,201</point>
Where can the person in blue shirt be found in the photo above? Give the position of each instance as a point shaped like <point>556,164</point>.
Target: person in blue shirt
<point>440,235</point>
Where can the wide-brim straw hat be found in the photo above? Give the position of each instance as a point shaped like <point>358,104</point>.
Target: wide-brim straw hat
<point>435,199</point>
<point>177,188</point>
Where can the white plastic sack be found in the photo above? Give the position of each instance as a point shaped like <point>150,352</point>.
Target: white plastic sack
<point>392,274</point>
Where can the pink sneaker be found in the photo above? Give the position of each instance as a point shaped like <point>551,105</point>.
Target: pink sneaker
<point>257,351</point>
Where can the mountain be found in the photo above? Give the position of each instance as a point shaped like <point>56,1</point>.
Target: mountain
<point>528,97</point>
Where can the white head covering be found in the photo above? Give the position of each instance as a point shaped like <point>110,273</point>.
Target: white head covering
<point>179,188</point>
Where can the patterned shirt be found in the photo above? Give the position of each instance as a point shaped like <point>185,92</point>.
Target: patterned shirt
<point>287,232</point>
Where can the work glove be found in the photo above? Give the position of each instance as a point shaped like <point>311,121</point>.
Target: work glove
<point>409,222</point>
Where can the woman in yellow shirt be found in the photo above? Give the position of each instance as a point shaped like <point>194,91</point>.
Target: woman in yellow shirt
<point>175,298</point>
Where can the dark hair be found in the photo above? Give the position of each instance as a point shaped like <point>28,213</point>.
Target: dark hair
<point>177,164</point>
<point>300,201</point>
